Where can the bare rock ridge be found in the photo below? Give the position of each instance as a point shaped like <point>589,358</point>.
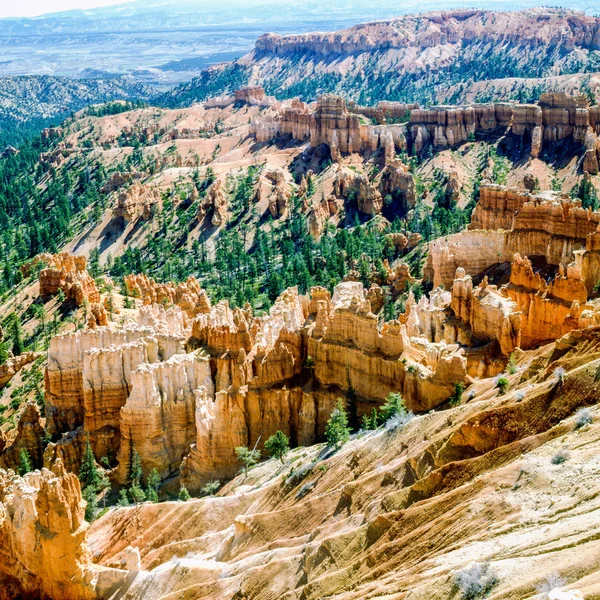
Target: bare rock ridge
<point>453,27</point>
<point>341,126</point>
<point>447,55</point>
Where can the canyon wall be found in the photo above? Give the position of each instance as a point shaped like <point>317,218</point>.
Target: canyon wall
<point>346,127</point>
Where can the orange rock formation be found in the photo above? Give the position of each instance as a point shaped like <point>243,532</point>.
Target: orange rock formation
<point>68,273</point>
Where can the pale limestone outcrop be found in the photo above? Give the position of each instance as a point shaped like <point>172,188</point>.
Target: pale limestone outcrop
<point>137,202</point>
<point>343,129</point>
<point>214,203</point>
<point>397,185</point>
<point>30,436</point>
<point>352,351</point>
<point>509,221</point>
<point>273,186</point>
<point>68,273</point>
<point>87,378</point>
<point>549,310</point>
<point>98,316</point>
<point>355,186</point>
<point>319,211</point>
<point>489,314</point>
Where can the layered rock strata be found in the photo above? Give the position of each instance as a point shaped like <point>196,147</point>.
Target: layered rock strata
<point>44,549</point>
<point>508,221</point>
<point>187,295</point>
<point>344,129</point>
<point>68,273</point>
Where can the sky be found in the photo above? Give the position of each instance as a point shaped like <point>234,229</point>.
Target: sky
<point>32,8</point>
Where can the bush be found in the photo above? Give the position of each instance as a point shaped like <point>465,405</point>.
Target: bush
<point>247,457</point>
<point>394,405</point>
<point>560,457</point>
<point>370,421</point>
<point>24,463</point>
<point>583,417</point>
<point>278,445</point>
<point>502,385</point>
<point>183,495</point>
<point>456,398</point>
<point>123,498</point>
<point>476,581</point>
<point>152,485</point>
<point>511,367</point>
<point>91,509</point>
<point>136,494</point>
<point>337,431</point>
<point>559,375</point>
<point>211,488</point>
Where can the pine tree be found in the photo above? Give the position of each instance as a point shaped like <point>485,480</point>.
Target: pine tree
<point>278,445</point>
<point>134,475</point>
<point>152,485</point>
<point>89,495</point>
<point>17,337</point>
<point>136,494</point>
<point>88,472</point>
<point>394,405</point>
<point>247,457</point>
<point>123,499</point>
<point>184,495</point>
<point>351,403</point>
<point>24,463</point>
<point>337,431</point>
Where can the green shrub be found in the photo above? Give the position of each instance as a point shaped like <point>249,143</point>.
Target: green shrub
<point>337,431</point>
<point>278,445</point>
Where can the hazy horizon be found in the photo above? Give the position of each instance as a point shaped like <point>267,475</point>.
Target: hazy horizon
<point>36,8</point>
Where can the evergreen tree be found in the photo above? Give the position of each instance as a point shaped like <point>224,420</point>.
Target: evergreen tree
<point>337,431</point>
<point>152,485</point>
<point>17,336</point>
<point>351,404</point>
<point>278,445</point>
<point>89,495</point>
<point>134,475</point>
<point>24,463</point>
<point>247,457</point>
<point>123,498</point>
<point>89,475</point>
<point>136,494</point>
<point>183,495</point>
<point>394,405</point>
<point>370,421</point>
